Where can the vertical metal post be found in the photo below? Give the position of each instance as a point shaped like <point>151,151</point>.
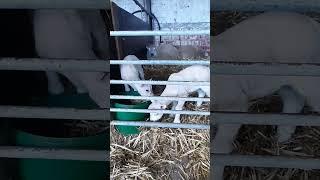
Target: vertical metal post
<point>115,23</point>
<point>149,8</point>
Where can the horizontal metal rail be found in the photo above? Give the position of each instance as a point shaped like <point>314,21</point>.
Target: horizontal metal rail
<point>266,161</point>
<point>53,113</point>
<point>152,82</point>
<point>162,62</point>
<point>161,124</point>
<point>56,4</point>
<point>53,153</point>
<point>202,113</point>
<point>159,33</point>
<point>265,119</point>
<point>54,64</point>
<point>159,98</point>
<point>265,69</point>
<point>262,5</point>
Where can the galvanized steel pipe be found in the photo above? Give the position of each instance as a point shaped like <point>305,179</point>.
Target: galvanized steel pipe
<point>159,33</point>
<point>161,124</point>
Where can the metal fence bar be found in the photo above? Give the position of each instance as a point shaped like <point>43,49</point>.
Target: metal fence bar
<point>159,98</point>
<point>159,33</point>
<point>54,64</point>
<point>56,4</point>
<point>162,62</point>
<point>53,113</point>
<point>262,5</point>
<point>152,82</point>
<point>202,113</point>
<point>265,119</point>
<point>266,161</point>
<point>265,69</point>
<point>53,153</point>
<point>161,124</point>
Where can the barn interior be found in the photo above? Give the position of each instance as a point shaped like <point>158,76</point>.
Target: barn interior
<point>29,88</point>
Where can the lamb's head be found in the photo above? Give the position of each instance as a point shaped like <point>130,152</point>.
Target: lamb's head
<point>152,51</point>
<point>157,105</point>
<point>144,89</point>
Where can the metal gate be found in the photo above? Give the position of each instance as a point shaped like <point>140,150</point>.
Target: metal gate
<point>56,65</point>
<point>147,33</point>
<point>266,70</point>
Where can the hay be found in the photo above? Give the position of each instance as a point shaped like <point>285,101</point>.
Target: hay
<point>86,127</point>
<point>261,140</point>
<point>162,153</point>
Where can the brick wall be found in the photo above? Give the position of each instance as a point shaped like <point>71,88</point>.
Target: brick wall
<point>177,15</point>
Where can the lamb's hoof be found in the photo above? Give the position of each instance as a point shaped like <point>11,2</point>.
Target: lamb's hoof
<point>284,133</point>
<point>199,103</point>
<point>283,138</point>
<point>176,121</point>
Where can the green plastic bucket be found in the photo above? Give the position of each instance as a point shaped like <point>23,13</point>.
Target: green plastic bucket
<point>126,116</point>
<point>40,169</point>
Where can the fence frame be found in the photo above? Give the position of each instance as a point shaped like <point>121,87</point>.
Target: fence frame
<point>56,4</point>
<point>36,64</point>
<point>263,69</point>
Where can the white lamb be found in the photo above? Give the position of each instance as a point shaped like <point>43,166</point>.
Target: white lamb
<point>273,37</point>
<point>134,72</point>
<point>192,73</point>
<point>73,34</point>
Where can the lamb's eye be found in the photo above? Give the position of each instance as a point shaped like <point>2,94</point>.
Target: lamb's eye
<point>147,90</point>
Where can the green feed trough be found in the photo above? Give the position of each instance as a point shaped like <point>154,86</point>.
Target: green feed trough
<point>126,116</point>
<point>40,169</point>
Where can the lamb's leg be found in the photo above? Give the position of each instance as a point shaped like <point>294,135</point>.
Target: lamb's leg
<point>292,103</point>
<point>223,140</point>
<point>54,84</point>
<point>73,77</point>
<point>98,89</point>
<point>126,87</point>
<point>140,70</point>
<point>174,105</point>
<point>133,87</point>
<point>201,94</point>
<point>179,107</point>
